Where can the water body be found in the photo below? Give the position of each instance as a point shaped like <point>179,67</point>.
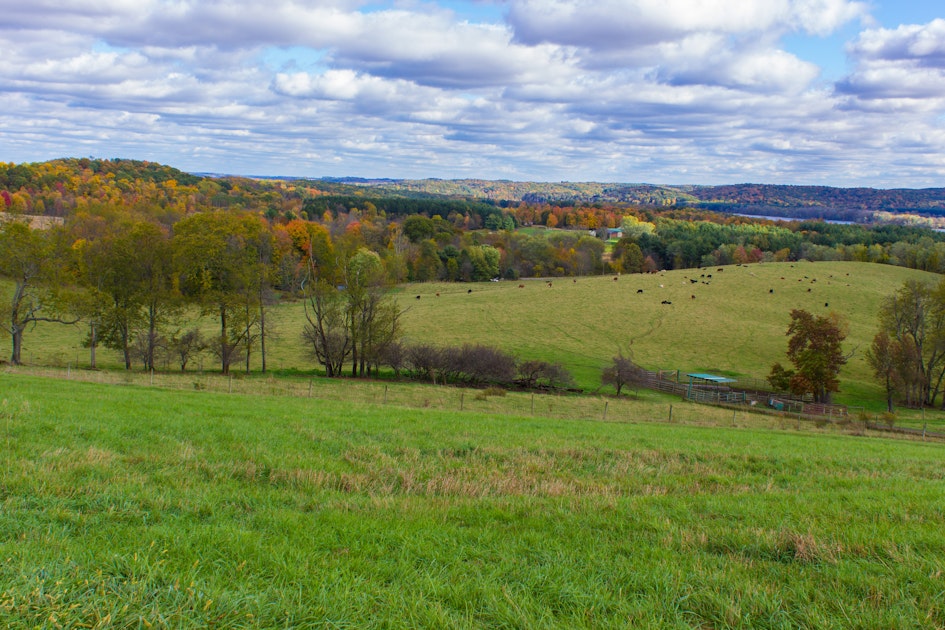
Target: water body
<point>776,218</point>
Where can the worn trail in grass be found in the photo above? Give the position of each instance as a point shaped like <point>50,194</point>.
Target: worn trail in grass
<point>126,505</point>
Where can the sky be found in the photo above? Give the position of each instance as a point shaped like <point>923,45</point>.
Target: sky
<point>820,92</point>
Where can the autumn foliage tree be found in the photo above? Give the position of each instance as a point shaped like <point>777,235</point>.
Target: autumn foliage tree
<point>908,354</point>
<point>815,350</point>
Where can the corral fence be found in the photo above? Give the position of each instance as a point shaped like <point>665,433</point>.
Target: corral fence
<point>750,391</point>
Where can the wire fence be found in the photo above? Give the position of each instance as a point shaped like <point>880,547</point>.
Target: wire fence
<point>412,395</point>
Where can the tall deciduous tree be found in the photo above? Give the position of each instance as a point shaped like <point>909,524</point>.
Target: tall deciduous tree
<point>815,350</point>
<point>881,357</point>
<point>130,276</point>
<point>29,258</point>
<point>373,316</point>
<point>217,256</point>
<point>913,318</point>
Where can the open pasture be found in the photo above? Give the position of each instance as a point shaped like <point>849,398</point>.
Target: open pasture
<point>137,507</point>
<point>732,322</point>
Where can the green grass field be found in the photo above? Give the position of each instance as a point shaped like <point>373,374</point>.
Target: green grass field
<point>130,506</point>
<point>734,325</point>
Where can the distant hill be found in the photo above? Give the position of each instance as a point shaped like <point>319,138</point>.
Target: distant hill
<point>801,202</point>
<point>59,186</point>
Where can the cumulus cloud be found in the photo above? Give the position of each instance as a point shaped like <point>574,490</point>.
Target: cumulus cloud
<point>634,23</point>
<point>658,90</point>
<point>898,68</point>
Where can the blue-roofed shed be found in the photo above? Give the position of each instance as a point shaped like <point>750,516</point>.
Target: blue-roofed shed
<point>701,378</point>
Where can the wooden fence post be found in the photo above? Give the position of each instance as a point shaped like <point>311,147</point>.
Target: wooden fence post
<point>670,413</point>
<point>605,409</point>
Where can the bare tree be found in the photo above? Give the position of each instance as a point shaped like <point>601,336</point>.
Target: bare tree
<point>327,328</point>
<point>620,373</point>
<point>185,347</point>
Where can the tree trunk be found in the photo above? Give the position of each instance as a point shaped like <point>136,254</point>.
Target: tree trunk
<point>17,345</point>
<point>125,348</point>
<point>93,344</point>
<point>224,343</point>
<point>152,337</point>
<point>262,335</point>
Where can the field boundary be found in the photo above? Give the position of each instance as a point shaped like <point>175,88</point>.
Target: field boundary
<point>411,395</point>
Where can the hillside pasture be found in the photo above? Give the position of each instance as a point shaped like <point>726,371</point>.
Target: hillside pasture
<point>127,506</point>
<point>732,323</point>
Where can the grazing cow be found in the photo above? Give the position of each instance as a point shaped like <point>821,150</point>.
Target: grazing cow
<point>770,290</point>
<point>720,269</point>
<point>615,279</point>
<point>418,297</point>
<point>709,276</point>
<point>808,289</point>
<point>437,295</point>
<point>469,291</point>
<point>575,280</point>
<point>694,281</point>
<point>826,304</point>
<point>692,297</point>
<point>639,290</point>
<point>521,286</point>
<point>665,302</point>
<point>782,277</point>
<point>549,285</point>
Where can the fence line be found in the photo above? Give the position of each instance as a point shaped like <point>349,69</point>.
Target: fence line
<point>462,400</point>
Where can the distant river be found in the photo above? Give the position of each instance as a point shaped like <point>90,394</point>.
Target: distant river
<point>774,218</point>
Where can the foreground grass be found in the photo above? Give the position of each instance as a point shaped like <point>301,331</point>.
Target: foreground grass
<point>136,507</point>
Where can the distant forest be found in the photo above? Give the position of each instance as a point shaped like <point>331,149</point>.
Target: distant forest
<point>474,230</point>
<point>864,205</point>
<point>124,246</point>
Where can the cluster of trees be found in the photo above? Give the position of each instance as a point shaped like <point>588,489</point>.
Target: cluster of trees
<point>475,365</point>
<point>907,355</point>
<point>465,239</point>
<point>134,285</point>
<point>690,241</point>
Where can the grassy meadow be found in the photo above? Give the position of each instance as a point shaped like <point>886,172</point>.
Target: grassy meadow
<point>134,506</point>
<point>734,325</point>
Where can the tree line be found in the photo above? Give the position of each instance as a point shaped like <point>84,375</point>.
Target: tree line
<point>449,238</point>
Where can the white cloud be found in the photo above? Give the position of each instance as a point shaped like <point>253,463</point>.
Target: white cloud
<point>628,90</point>
<point>898,69</point>
<point>634,23</point>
